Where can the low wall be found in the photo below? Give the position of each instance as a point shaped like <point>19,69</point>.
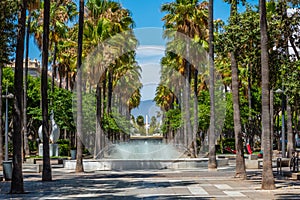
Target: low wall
<point>114,164</point>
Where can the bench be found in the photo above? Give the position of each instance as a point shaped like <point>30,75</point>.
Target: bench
<point>36,167</point>
<point>292,163</point>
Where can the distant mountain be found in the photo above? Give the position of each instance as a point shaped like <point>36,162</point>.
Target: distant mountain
<point>147,107</point>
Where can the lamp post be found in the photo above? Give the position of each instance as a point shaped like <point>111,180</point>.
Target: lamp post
<point>6,97</point>
<point>279,91</point>
<point>7,165</point>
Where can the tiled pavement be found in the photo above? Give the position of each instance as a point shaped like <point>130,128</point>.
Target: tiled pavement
<point>160,184</point>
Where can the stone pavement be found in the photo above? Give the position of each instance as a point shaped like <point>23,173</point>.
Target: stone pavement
<point>158,184</point>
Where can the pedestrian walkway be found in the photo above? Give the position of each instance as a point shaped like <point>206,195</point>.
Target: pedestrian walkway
<point>159,184</point>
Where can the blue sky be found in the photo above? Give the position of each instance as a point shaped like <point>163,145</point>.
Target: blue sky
<point>148,30</point>
<point>146,13</point>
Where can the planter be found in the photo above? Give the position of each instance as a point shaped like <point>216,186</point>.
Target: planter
<point>7,170</point>
<point>73,154</point>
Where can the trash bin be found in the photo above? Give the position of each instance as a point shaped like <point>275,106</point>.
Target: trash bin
<point>73,154</point>
<point>7,170</point>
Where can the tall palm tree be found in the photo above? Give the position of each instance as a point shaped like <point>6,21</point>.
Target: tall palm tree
<point>107,21</point>
<point>66,58</point>
<point>33,4</point>
<point>189,18</point>
<point>212,163</point>
<point>17,176</point>
<point>46,174</point>
<point>240,170</point>
<point>61,13</point>
<point>79,162</point>
<point>267,174</point>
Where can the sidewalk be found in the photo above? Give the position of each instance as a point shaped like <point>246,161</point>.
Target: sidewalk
<point>159,184</point>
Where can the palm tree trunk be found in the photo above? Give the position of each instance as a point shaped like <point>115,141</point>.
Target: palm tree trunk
<point>195,128</point>
<point>240,161</point>
<point>26,147</point>
<point>249,131</point>
<point>47,174</point>
<point>187,112</point>
<point>17,176</point>
<point>272,118</point>
<point>290,134</point>
<point>79,162</point>
<point>184,139</point>
<point>67,80</point>
<point>60,74</point>
<point>267,174</point>
<point>98,142</point>
<point>1,129</point>
<point>212,162</point>
<point>54,68</point>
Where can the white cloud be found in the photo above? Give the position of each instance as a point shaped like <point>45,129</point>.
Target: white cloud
<point>150,50</point>
<point>149,54</point>
<point>148,57</point>
<point>150,73</point>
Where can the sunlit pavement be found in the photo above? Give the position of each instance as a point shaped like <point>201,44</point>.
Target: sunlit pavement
<point>158,184</point>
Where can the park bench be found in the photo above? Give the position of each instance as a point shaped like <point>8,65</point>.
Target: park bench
<point>292,163</point>
<point>35,167</point>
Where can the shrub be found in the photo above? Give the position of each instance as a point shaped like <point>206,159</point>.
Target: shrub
<point>227,142</point>
<point>64,147</point>
<point>33,145</point>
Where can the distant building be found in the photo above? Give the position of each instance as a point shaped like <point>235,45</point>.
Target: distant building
<point>34,67</point>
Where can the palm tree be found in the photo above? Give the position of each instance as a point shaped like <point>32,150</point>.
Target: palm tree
<point>17,176</point>
<point>47,174</point>
<point>105,20</point>
<point>267,174</point>
<point>66,59</point>
<point>79,162</point>
<point>33,4</point>
<point>189,18</point>
<point>240,161</point>
<point>61,13</point>
<point>212,163</point>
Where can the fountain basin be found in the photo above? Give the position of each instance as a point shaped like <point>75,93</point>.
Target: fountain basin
<point>134,164</point>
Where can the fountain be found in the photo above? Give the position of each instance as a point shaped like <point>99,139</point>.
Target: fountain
<point>147,148</point>
<point>143,153</point>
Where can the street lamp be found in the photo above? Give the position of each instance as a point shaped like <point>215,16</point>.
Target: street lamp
<point>279,91</point>
<point>7,165</point>
<point>6,97</point>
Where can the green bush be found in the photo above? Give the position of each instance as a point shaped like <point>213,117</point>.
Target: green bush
<point>64,147</point>
<point>227,142</point>
<point>33,145</point>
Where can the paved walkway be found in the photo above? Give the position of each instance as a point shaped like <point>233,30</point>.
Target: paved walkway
<point>159,184</point>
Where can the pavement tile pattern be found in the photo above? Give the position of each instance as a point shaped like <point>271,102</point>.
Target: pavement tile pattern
<point>159,184</point>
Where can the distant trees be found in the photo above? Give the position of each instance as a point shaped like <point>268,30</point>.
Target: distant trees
<point>140,120</point>
<point>187,17</point>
